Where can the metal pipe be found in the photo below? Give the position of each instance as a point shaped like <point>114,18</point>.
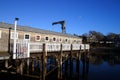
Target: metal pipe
<point>15,26</point>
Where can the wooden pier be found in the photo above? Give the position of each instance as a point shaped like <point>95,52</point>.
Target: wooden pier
<point>37,60</point>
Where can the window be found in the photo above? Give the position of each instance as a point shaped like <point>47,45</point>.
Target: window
<point>37,37</point>
<point>0,33</point>
<point>74,40</point>
<point>66,40</point>
<point>46,38</point>
<point>60,39</point>
<point>27,36</point>
<point>12,35</point>
<point>54,39</point>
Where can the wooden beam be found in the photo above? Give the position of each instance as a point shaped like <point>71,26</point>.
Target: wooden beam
<point>44,59</point>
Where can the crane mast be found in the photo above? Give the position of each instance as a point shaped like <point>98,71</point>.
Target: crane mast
<point>62,25</point>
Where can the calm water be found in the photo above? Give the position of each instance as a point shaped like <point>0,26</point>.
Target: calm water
<point>98,66</point>
<point>101,66</point>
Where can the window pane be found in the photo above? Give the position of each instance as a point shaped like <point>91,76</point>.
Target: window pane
<point>46,38</point>
<point>60,39</point>
<point>54,39</point>
<point>66,40</point>
<point>37,38</point>
<point>26,36</point>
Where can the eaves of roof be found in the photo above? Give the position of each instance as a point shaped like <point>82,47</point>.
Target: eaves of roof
<point>36,30</point>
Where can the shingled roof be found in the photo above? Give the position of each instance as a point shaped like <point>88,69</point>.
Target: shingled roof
<point>31,29</point>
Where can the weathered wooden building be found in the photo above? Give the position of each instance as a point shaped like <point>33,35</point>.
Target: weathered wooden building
<point>32,35</point>
<point>34,47</point>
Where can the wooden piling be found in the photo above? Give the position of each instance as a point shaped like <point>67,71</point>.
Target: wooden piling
<point>41,69</point>
<point>50,63</point>
<point>21,67</point>
<point>77,66</point>
<point>6,63</point>
<point>66,68</point>
<point>28,65</point>
<point>60,64</point>
<point>17,67</point>
<point>44,60</point>
<point>87,67</point>
<point>36,63</point>
<point>60,67</point>
<point>33,65</point>
<point>71,62</point>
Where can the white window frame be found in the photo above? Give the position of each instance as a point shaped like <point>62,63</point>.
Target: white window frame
<point>36,37</point>
<point>12,35</point>
<point>0,33</point>
<point>46,40</point>
<point>27,34</point>
<point>53,39</point>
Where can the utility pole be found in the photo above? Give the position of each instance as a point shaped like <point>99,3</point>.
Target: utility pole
<point>9,40</point>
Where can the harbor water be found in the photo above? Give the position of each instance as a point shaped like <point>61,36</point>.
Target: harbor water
<point>96,66</point>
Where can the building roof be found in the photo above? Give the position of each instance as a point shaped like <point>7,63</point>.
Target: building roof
<point>36,30</point>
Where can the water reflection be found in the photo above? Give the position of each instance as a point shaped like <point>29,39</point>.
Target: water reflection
<point>111,58</point>
<point>76,69</point>
<point>97,66</point>
<point>93,66</point>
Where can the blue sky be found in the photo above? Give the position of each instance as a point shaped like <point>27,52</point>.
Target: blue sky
<point>81,16</point>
